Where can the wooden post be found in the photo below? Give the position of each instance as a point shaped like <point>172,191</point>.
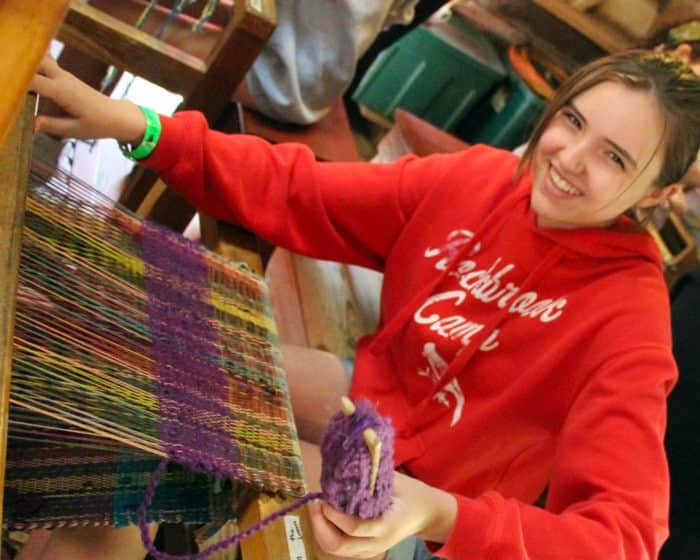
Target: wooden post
<point>14,174</point>
<point>27,29</point>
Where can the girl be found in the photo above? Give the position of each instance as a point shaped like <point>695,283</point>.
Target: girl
<point>524,346</point>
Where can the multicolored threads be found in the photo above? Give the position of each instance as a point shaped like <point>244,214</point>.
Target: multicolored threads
<point>131,341</point>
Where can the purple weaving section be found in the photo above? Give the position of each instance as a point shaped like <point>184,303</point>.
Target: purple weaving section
<point>190,384</point>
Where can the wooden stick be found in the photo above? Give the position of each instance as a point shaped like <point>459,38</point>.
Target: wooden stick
<point>374,444</point>
<point>347,406</point>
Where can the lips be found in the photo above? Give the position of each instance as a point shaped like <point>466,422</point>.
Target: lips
<point>560,186</point>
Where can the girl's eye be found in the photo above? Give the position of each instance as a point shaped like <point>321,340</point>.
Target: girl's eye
<point>572,118</point>
<point>617,160</point>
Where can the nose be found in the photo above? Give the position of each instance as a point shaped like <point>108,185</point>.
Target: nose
<point>572,157</point>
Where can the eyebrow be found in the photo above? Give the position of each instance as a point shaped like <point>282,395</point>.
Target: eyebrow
<point>625,154</point>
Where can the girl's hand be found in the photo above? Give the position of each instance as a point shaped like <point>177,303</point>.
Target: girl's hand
<point>416,509</point>
<point>89,113</point>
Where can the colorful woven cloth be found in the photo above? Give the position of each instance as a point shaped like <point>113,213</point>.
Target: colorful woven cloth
<point>132,344</point>
<point>55,486</point>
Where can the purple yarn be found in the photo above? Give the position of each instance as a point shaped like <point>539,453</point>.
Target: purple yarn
<point>192,391</point>
<point>191,386</point>
<point>347,463</point>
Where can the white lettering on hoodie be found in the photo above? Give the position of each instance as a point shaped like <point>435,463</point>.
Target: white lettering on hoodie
<point>486,285</point>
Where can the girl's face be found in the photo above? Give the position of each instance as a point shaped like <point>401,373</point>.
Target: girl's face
<point>596,159</point>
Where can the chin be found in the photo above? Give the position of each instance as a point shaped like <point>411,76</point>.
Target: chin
<point>542,208</point>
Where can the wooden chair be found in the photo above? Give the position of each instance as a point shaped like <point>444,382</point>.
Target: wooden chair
<point>21,53</point>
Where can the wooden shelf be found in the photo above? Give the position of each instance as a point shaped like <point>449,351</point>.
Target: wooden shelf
<point>604,34</point>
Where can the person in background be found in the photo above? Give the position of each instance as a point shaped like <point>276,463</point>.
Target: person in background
<point>311,57</point>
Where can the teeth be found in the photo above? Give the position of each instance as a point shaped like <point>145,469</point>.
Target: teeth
<point>561,184</point>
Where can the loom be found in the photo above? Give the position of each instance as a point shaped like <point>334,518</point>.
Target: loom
<point>131,342</point>
<point>264,460</point>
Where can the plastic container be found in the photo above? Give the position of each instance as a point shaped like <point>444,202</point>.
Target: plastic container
<point>438,71</point>
<point>504,119</point>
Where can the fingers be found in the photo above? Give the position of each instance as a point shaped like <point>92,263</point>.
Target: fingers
<point>327,535</point>
<point>41,85</point>
<point>60,126</point>
<point>351,525</point>
<point>49,67</point>
<point>333,541</point>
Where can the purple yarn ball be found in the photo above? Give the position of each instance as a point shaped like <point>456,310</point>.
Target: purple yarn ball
<point>347,463</point>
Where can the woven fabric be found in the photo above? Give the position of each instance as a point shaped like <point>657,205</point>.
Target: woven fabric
<point>129,334</point>
<point>56,486</point>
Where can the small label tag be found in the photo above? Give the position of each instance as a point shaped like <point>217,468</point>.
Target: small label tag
<point>295,538</point>
<point>257,4</point>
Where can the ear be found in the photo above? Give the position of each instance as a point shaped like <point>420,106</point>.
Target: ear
<point>659,195</point>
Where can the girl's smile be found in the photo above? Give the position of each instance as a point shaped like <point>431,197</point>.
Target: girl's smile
<point>599,157</point>
<point>559,187</point>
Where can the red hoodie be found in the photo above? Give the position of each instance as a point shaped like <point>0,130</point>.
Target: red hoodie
<point>510,358</point>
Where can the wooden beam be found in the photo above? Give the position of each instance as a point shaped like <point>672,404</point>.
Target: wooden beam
<point>231,242</point>
<point>27,29</point>
<point>176,32</point>
<point>287,538</point>
<point>602,33</point>
<point>14,174</point>
<point>244,37</point>
<point>111,40</point>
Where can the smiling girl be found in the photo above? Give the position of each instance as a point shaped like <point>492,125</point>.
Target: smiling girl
<point>524,348</point>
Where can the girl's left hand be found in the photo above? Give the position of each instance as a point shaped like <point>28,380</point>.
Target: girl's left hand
<point>416,509</point>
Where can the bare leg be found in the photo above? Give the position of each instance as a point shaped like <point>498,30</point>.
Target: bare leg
<point>89,543</point>
<point>317,380</point>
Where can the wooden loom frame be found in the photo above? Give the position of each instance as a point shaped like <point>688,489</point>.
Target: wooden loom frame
<point>30,26</point>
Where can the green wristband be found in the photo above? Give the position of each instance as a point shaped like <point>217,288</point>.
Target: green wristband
<point>150,138</point>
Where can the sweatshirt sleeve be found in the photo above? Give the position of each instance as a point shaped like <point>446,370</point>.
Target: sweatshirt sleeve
<point>608,496</point>
<point>349,212</point>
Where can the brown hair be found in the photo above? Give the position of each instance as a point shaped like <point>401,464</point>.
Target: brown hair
<point>677,90</point>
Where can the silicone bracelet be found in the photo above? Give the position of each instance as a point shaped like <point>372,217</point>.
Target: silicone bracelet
<point>150,138</point>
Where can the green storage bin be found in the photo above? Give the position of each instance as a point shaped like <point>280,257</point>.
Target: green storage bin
<point>504,119</point>
<point>438,72</point>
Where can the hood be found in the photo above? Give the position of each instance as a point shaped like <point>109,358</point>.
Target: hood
<point>625,239</point>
